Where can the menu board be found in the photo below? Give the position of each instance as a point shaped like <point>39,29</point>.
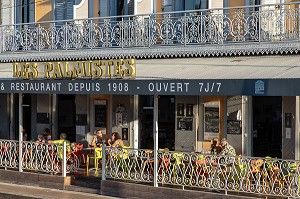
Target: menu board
<point>100,116</point>
<point>234,127</point>
<point>81,119</point>
<point>212,120</point>
<point>184,124</point>
<point>42,118</point>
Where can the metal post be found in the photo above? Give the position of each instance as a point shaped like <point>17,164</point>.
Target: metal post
<point>135,143</point>
<point>149,30</point>
<point>103,161</point>
<point>39,37</point>
<point>155,137</point>
<point>184,28</point>
<point>66,35</point>
<point>20,131</point>
<point>2,33</point>
<point>64,160</point>
<point>122,34</point>
<point>259,22</point>
<point>297,137</point>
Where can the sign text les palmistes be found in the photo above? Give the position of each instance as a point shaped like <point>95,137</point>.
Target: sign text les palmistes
<point>114,68</point>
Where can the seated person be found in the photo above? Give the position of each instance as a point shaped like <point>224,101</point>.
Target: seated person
<point>215,148</point>
<point>98,139</point>
<point>47,134</point>
<point>227,149</point>
<point>40,138</point>
<point>59,143</point>
<point>116,140</point>
<point>24,135</point>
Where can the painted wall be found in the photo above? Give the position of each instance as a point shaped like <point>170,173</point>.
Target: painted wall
<point>91,116</point>
<point>81,102</point>
<point>288,134</point>
<point>4,115</point>
<point>43,11</point>
<point>40,104</point>
<point>144,7</point>
<point>121,120</point>
<point>221,100</point>
<point>234,108</point>
<point>81,10</point>
<point>185,140</point>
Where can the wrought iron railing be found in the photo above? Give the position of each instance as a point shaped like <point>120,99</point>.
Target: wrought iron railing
<point>41,157</point>
<point>263,23</point>
<point>267,176</point>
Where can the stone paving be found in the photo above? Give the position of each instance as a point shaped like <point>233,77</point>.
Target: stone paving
<point>16,191</point>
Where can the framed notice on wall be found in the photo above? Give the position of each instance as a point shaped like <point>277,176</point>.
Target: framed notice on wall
<point>211,120</point>
<point>100,113</point>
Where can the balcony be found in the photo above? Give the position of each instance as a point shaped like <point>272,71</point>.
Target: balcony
<point>264,29</point>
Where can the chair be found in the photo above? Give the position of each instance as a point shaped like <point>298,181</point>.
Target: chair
<point>178,165</point>
<point>78,152</point>
<point>97,156</point>
<point>164,160</point>
<point>123,157</point>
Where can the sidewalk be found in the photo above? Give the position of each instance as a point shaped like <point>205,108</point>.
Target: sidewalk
<point>26,192</point>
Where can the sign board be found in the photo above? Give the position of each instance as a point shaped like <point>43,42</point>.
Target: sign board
<point>211,120</point>
<point>234,127</point>
<point>202,87</point>
<point>100,114</point>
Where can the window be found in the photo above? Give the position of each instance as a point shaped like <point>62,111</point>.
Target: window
<point>25,11</point>
<point>195,4</point>
<point>63,9</point>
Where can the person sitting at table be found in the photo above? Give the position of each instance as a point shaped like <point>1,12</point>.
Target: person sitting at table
<point>59,143</point>
<point>24,135</point>
<point>215,148</point>
<point>98,139</point>
<point>47,134</point>
<point>40,138</point>
<point>116,140</point>
<point>227,149</point>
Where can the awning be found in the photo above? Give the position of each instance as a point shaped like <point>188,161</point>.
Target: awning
<point>251,75</point>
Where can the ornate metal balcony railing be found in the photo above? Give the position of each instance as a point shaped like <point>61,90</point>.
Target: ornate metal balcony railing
<point>40,157</point>
<point>236,25</point>
<point>267,176</point>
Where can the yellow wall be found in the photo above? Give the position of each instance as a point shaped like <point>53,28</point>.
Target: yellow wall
<point>158,5</point>
<point>43,11</point>
<point>207,143</point>
<point>96,8</point>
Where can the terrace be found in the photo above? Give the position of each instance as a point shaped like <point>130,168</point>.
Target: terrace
<point>248,30</point>
<point>257,176</point>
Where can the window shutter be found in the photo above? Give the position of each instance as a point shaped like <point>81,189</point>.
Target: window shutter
<point>103,8</point>
<point>64,9</point>
<point>59,9</point>
<point>167,6</point>
<point>131,7</point>
<point>31,10</point>
<point>69,5</point>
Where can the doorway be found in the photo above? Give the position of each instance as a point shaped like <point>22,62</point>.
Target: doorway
<point>267,127</point>
<point>26,106</point>
<point>67,116</point>
<point>166,122</point>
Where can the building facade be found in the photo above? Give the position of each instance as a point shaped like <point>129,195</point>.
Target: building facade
<point>203,63</point>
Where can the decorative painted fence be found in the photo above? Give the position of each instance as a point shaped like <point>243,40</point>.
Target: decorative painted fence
<point>267,176</point>
<point>263,23</point>
<point>36,156</point>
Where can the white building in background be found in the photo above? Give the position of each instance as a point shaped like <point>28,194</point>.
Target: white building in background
<point>236,93</point>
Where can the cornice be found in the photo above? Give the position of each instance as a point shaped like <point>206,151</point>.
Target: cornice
<point>212,50</point>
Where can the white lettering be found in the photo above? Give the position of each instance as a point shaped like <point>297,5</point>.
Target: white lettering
<point>168,87</point>
<point>151,87</point>
<point>172,87</point>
